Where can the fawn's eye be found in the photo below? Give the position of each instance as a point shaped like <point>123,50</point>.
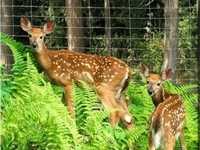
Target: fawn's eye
<point>29,35</point>
<point>158,84</point>
<point>40,37</point>
<point>147,81</point>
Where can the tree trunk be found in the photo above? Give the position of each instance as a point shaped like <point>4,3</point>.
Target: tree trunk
<point>107,26</point>
<point>198,47</point>
<point>75,26</point>
<point>6,22</point>
<point>170,40</point>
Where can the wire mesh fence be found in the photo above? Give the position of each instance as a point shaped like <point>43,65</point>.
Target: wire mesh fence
<point>130,30</point>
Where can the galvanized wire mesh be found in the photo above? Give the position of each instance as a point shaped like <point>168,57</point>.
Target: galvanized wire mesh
<point>131,23</point>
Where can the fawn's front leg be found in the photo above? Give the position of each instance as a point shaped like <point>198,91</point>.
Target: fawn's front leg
<point>69,98</point>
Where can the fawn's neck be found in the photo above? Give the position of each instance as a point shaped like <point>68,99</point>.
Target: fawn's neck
<point>43,57</point>
<point>160,96</point>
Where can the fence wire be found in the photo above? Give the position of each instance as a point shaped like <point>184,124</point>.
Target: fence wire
<point>136,28</point>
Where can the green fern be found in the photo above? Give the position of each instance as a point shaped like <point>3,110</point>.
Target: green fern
<point>32,104</point>
<point>33,116</point>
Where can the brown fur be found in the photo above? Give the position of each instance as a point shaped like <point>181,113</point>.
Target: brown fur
<point>106,74</point>
<point>167,120</point>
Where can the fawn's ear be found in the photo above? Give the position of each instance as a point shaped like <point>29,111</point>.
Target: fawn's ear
<point>166,74</point>
<point>48,27</point>
<point>25,24</point>
<point>144,70</point>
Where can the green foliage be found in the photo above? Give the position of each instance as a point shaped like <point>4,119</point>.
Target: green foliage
<point>149,49</point>
<point>187,44</point>
<point>33,116</point>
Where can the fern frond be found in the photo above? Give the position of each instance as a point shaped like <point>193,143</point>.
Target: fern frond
<point>33,116</point>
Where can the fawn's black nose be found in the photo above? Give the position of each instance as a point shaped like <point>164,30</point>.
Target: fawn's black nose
<point>150,92</point>
<point>34,46</point>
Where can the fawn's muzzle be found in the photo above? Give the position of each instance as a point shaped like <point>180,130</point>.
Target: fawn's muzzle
<point>33,43</point>
<point>150,90</point>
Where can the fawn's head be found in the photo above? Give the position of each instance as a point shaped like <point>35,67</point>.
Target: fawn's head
<point>155,81</point>
<point>36,34</point>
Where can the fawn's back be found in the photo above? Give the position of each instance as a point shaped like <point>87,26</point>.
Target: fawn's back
<point>169,114</point>
<point>90,68</point>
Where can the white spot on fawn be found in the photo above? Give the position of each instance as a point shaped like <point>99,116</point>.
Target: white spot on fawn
<point>62,74</point>
<point>88,66</point>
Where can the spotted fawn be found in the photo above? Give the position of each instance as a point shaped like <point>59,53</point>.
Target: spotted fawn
<point>107,75</point>
<point>167,120</point>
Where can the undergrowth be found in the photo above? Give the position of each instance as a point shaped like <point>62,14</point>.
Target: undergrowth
<point>34,117</point>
